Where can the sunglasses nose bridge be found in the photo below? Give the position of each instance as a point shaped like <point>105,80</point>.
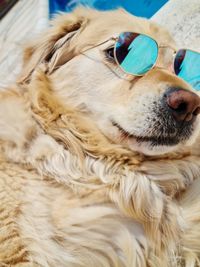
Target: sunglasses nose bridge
<point>165,60</point>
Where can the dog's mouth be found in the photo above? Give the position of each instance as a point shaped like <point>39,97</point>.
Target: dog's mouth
<point>157,140</point>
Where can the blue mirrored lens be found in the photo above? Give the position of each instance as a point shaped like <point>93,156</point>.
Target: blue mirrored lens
<point>187,66</point>
<point>136,53</point>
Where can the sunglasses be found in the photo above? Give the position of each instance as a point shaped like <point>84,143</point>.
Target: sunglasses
<point>137,53</point>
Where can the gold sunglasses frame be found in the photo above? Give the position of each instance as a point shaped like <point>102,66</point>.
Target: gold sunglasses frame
<point>158,46</point>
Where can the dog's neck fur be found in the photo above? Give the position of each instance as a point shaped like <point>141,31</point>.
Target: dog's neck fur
<point>51,137</point>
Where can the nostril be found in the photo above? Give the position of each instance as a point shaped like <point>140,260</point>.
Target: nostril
<point>182,107</point>
<point>177,103</point>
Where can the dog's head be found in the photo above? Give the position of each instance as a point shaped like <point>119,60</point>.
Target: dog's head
<point>153,114</point>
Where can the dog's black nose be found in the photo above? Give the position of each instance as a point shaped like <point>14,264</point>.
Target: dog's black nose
<point>183,104</point>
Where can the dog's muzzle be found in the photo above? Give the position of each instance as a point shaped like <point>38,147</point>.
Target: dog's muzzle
<point>176,115</point>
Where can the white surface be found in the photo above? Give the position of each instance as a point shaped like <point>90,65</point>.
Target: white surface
<point>182,19</point>
<point>21,23</point>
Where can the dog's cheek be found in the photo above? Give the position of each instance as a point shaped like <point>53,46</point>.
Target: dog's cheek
<point>86,81</point>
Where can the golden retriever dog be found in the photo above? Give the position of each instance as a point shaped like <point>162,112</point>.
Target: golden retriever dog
<point>96,170</point>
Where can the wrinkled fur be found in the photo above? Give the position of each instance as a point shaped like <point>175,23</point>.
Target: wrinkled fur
<point>70,196</point>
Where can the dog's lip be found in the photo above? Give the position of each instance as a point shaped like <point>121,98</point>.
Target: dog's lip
<point>122,130</point>
<point>155,141</point>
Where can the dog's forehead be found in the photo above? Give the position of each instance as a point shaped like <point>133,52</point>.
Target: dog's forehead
<point>110,24</point>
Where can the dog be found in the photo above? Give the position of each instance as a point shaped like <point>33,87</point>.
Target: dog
<point>96,169</point>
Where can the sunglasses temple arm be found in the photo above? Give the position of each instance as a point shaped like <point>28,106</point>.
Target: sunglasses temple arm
<point>93,46</point>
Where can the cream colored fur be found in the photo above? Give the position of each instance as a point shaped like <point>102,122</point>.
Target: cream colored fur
<point>72,191</point>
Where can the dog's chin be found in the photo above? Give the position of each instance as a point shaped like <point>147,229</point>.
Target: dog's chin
<point>150,145</point>
<point>147,148</point>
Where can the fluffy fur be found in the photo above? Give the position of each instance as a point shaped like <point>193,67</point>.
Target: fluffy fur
<point>73,194</point>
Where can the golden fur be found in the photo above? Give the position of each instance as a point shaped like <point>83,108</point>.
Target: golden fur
<point>73,196</point>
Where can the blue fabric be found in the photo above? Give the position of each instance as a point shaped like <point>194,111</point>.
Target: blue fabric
<point>143,8</point>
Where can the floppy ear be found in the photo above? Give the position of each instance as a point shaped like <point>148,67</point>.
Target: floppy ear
<point>48,48</point>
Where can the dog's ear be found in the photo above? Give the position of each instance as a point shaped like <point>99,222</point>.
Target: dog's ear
<point>52,44</point>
